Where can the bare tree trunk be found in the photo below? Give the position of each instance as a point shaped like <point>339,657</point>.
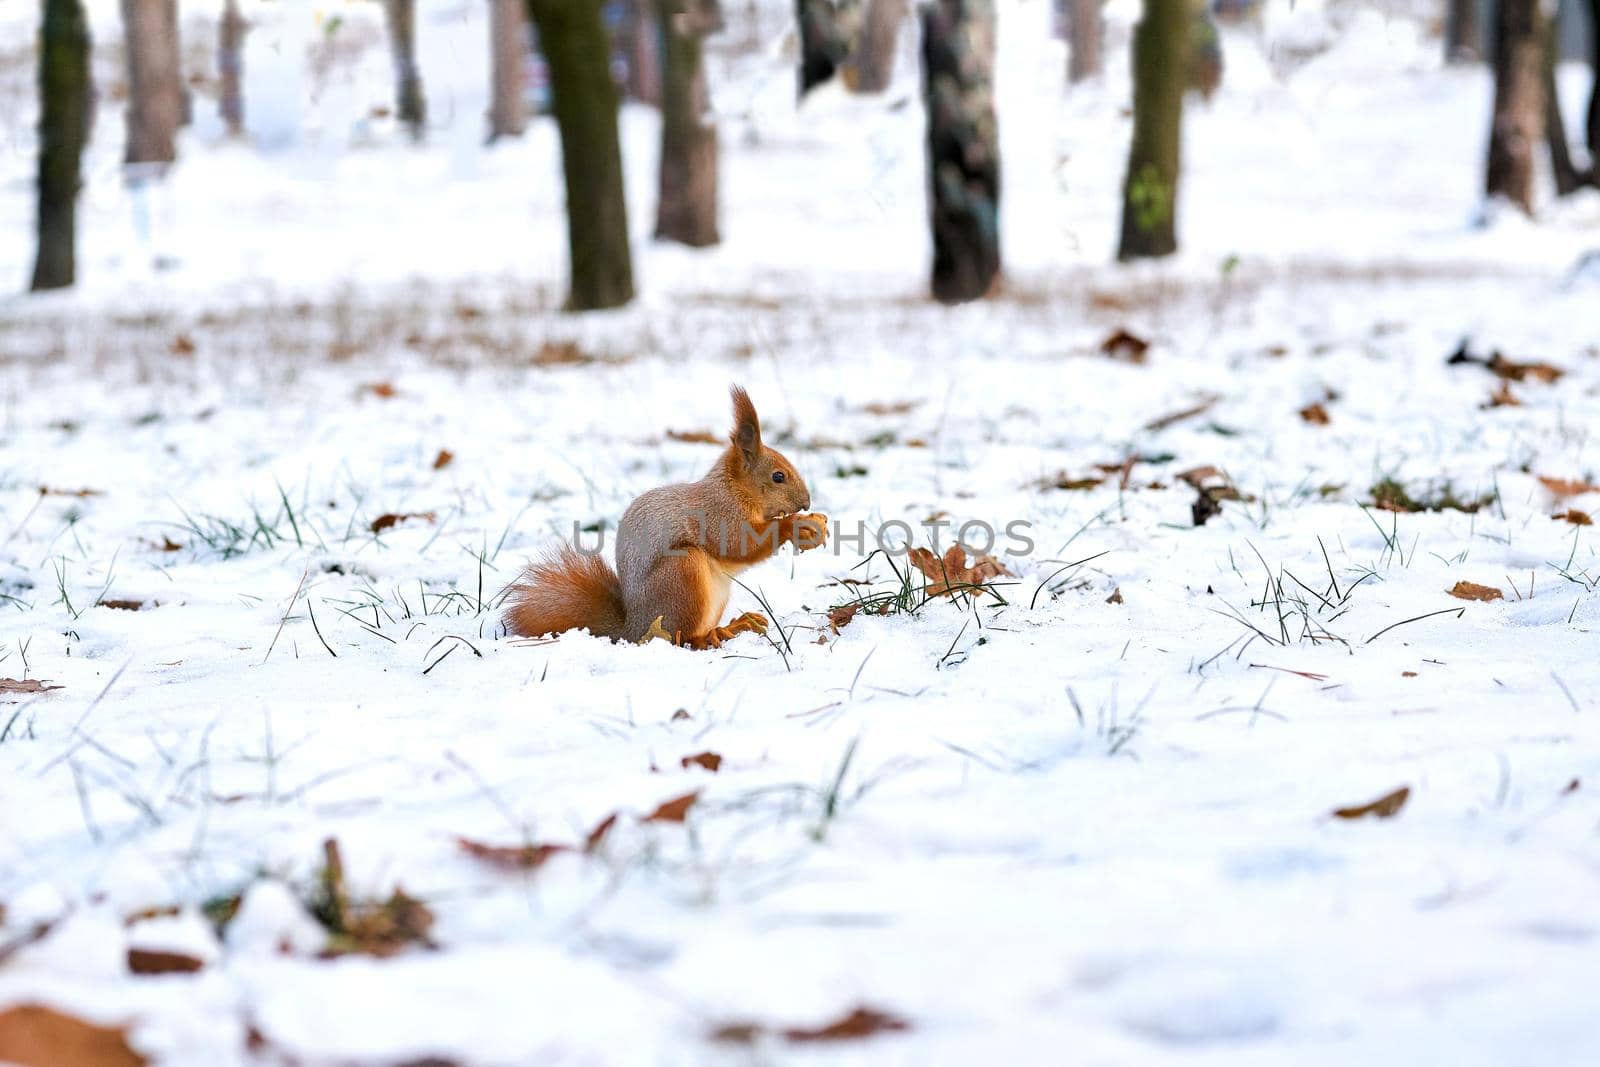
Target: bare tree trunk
<point>686,205</point>
<point>1161,49</point>
<point>155,81</point>
<point>873,58</point>
<point>508,44</point>
<point>411,107</point>
<point>963,147</point>
<point>1518,123</point>
<point>1086,29</point>
<point>230,67</point>
<point>63,129</point>
<point>573,38</point>
<point>1568,179</point>
<point>642,45</point>
<point>1463,33</point>
<point>1591,124</point>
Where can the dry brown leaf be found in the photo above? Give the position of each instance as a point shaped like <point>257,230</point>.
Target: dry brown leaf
<point>511,857</point>
<point>681,714</point>
<point>381,390</point>
<point>898,407</point>
<point>1572,787</point>
<point>25,685</point>
<point>1199,476</point>
<point>1385,807</point>
<point>384,522</point>
<point>858,1023</point>
<point>122,605</point>
<point>598,834</point>
<point>674,810</point>
<point>1315,414</point>
<point>1574,516</point>
<point>561,354</point>
<point>371,928</point>
<point>443,459</point>
<point>32,1035</point>
<point>1522,372</point>
<point>1565,487</point>
<point>182,345</point>
<point>1408,674</point>
<point>157,961</point>
<point>709,760</point>
<point>49,490</point>
<point>1063,480</point>
<point>1116,596</point>
<point>1474,591</point>
<point>1125,346</point>
<point>1502,397</point>
<point>695,437</point>
<point>951,574</point>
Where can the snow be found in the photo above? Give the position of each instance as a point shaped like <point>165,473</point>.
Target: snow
<point>1058,823</point>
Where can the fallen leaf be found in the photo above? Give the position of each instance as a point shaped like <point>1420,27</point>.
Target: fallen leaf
<point>695,437</point>
<point>1572,787</point>
<point>1502,397</point>
<point>25,685</point>
<point>1199,476</point>
<point>1385,807</point>
<point>32,1035</point>
<point>681,714</point>
<point>951,574</point>
<point>1125,346</point>
<point>1408,674</point>
<point>384,522</point>
<point>511,857</point>
<point>1522,372</point>
<point>1565,487</point>
<point>370,928</point>
<point>182,345</point>
<point>860,1022</point>
<point>1574,516</point>
<point>1062,480</point>
<point>1315,414</point>
<point>561,354</point>
<point>443,459</point>
<point>468,313</point>
<point>1115,597</point>
<point>598,834</point>
<point>1474,591</point>
<point>47,490</point>
<point>381,390</point>
<point>674,810</point>
<point>898,407</point>
<point>709,760</point>
<point>156,961</point>
<point>122,605</point>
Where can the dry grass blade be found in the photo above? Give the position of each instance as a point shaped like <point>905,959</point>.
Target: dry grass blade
<point>25,685</point>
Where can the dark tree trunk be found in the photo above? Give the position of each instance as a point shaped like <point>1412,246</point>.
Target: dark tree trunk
<point>1518,123</point>
<point>230,67</point>
<point>1591,124</point>
<point>1086,30</point>
<point>963,147</point>
<point>411,107</point>
<point>686,206</point>
<point>63,129</point>
<point>573,38</point>
<point>825,32</point>
<point>155,81</point>
<point>873,59</point>
<point>1161,48</point>
<point>1567,178</point>
<point>508,43</point>
<point>1463,34</point>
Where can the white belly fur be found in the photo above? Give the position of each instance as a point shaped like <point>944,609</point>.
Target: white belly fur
<point>720,584</point>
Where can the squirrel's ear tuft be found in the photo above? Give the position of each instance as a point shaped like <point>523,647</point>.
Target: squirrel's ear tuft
<point>746,426</point>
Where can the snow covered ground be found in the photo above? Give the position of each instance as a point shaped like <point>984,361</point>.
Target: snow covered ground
<point>1090,824</point>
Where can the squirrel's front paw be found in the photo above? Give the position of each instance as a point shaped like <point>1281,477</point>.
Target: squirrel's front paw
<point>810,531</point>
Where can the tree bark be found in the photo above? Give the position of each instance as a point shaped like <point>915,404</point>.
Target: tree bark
<point>686,204</point>
<point>873,57</point>
<point>825,33</point>
<point>1518,123</point>
<point>1161,48</point>
<point>230,67</point>
<point>63,129</point>
<point>584,98</point>
<point>1567,177</point>
<point>642,45</point>
<point>1463,36</point>
<point>155,81</point>
<point>508,45</point>
<point>1591,125</point>
<point>411,106</point>
<point>1086,30</point>
<point>963,147</point>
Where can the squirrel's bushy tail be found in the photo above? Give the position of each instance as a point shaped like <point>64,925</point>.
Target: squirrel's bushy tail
<point>565,590</point>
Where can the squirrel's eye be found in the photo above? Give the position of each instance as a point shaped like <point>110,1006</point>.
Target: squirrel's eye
<point>777,476</point>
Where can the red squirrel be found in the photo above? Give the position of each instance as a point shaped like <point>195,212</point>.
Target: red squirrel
<point>678,550</point>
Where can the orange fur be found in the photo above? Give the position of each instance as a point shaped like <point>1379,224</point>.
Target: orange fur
<point>566,590</point>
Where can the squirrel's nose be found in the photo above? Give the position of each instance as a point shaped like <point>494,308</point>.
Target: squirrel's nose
<point>805,505</point>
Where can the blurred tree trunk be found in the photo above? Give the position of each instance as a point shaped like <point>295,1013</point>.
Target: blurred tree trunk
<point>1567,178</point>
<point>230,67</point>
<point>411,107</point>
<point>825,28</point>
<point>584,98</point>
<point>1086,30</point>
<point>508,44</point>
<point>155,81</point>
<point>1463,32</point>
<point>63,129</point>
<point>963,147</point>
<point>873,58</point>
<point>1518,122</point>
<point>686,205</point>
<point>641,43</point>
<point>1161,49</point>
<point>1591,125</point>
